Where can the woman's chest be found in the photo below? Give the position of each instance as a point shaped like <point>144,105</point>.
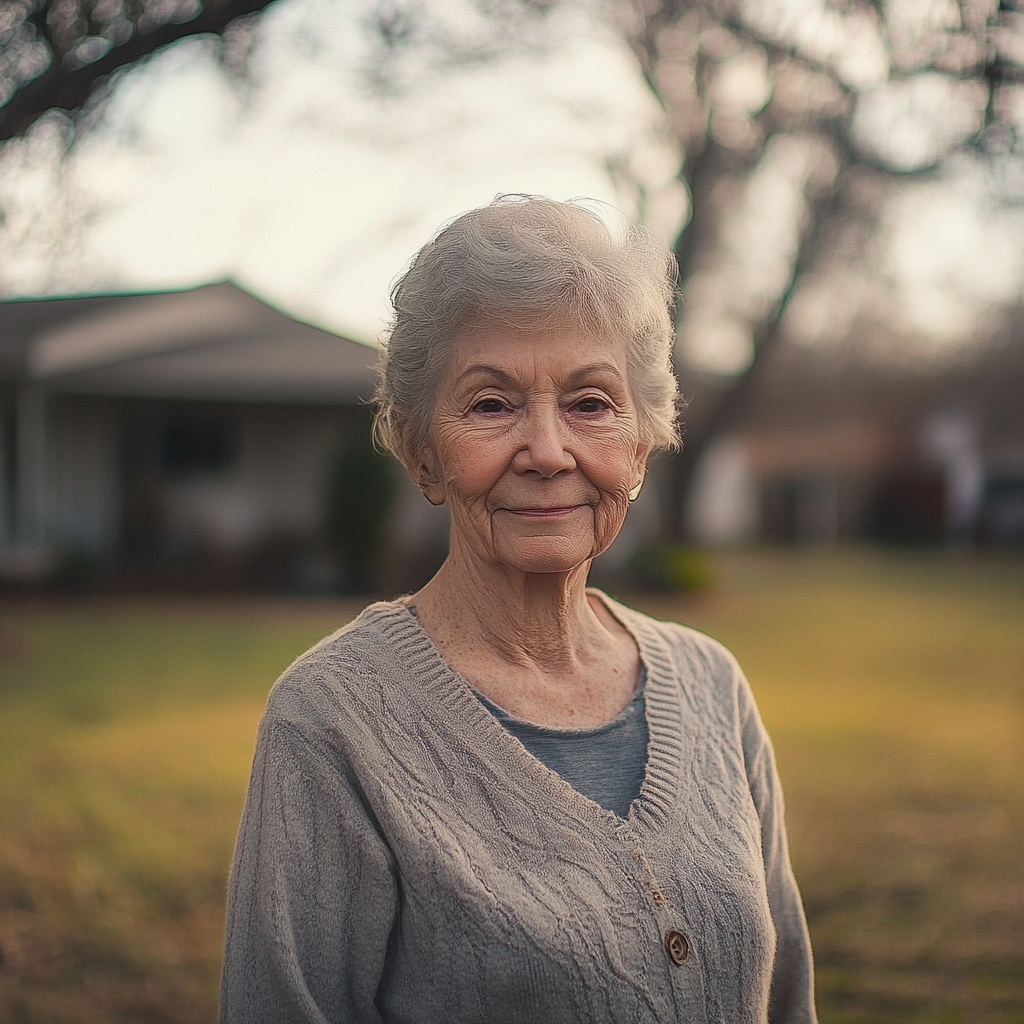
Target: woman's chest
<point>524,897</point>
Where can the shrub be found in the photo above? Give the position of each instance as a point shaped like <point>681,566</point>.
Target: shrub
<point>673,568</point>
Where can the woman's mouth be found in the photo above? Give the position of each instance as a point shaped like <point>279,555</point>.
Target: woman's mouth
<point>545,513</point>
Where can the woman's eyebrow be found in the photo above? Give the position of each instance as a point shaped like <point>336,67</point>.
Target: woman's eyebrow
<point>502,377</point>
<point>505,379</point>
<point>580,376</point>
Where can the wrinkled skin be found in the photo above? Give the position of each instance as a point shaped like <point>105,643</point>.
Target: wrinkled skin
<point>535,448</point>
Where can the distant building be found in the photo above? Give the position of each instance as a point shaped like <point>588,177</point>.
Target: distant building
<point>825,451</point>
<point>178,436</point>
<point>193,438</point>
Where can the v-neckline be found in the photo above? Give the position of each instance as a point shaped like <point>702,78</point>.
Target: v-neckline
<point>446,694</point>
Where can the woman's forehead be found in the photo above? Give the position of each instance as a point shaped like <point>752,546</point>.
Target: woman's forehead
<point>531,342</point>
<point>565,352</point>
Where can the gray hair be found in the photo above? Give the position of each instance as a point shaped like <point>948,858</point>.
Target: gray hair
<point>528,262</point>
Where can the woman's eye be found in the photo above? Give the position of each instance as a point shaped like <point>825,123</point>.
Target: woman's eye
<point>591,405</point>
<point>489,405</point>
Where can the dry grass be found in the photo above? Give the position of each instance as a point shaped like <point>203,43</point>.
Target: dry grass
<point>126,732</point>
<point>893,687</point>
<point>894,690</point>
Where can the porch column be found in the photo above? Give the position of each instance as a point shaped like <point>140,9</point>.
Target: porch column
<point>6,476</point>
<point>30,470</point>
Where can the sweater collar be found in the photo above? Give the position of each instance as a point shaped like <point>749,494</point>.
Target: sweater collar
<point>446,697</point>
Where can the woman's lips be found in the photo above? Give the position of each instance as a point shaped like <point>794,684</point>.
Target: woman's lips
<point>544,513</point>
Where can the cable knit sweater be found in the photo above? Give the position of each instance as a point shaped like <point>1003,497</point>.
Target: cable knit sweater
<point>402,858</point>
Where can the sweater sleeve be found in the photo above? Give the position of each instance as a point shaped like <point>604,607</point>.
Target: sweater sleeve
<point>313,895</point>
<point>791,999</point>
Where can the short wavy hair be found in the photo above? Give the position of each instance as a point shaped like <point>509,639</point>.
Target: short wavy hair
<point>529,262</point>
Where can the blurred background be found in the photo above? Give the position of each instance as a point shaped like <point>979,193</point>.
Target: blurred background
<point>203,207</point>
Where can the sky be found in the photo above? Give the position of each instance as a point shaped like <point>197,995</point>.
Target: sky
<point>314,185</point>
<point>313,179</point>
<point>945,262</point>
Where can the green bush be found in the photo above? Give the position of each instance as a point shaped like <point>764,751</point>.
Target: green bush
<point>72,569</point>
<point>672,568</point>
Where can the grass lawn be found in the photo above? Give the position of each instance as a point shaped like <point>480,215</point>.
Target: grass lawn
<point>893,686</point>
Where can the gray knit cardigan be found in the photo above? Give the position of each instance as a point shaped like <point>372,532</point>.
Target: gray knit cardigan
<point>402,858</point>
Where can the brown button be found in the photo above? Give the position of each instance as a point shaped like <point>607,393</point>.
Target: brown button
<point>677,947</point>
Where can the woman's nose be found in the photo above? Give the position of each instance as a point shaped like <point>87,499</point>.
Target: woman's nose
<point>544,448</point>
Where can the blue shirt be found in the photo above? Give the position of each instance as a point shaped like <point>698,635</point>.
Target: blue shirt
<point>606,764</point>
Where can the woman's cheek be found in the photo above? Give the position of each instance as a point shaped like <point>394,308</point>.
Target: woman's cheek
<point>609,517</point>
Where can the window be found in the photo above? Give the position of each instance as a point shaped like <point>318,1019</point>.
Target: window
<point>197,443</point>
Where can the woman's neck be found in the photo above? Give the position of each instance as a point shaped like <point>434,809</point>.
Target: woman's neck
<point>538,619</point>
<point>534,643</point>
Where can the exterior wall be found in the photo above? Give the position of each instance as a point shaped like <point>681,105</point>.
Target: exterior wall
<point>274,483</point>
<point>25,481</point>
<point>94,477</point>
<point>7,470</point>
<point>724,507</point>
<point>932,482</point>
<point>89,476</point>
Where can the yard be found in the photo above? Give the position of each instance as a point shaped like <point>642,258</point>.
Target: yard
<point>893,686</point>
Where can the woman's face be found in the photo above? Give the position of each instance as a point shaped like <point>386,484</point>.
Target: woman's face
<point>535,446</point>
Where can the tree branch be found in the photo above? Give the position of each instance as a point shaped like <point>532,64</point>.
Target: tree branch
<point>69,89</point>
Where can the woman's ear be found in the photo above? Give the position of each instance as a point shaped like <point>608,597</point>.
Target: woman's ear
<point>429,480</point>
<point>643,452</point>
<point>639,471</point>
<point>422,466</point>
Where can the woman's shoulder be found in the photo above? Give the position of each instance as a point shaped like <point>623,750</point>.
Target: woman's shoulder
<point>677,636</point>
<point>345,673</point>
<point>364,637</point>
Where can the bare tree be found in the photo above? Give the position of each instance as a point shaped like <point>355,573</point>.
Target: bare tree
<point>62,63</point>
<point>782,108</point>
<point>779,108</point>
<point>57,53</point>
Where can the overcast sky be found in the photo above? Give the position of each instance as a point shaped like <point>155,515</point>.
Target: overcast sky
<point>312,185</point>
<point>314,189</point>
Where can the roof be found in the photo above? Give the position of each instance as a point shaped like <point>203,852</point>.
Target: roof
<point>214,342</point>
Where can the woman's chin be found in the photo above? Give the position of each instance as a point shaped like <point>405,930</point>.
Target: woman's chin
<point>545,554</point>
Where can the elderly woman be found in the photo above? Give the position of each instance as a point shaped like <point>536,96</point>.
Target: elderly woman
<point>507,798</point>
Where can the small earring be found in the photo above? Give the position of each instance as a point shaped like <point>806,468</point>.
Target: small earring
<point>635,491</point>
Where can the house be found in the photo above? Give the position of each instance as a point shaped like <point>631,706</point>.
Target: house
<point>831,447</point>
<point>179,436</point>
